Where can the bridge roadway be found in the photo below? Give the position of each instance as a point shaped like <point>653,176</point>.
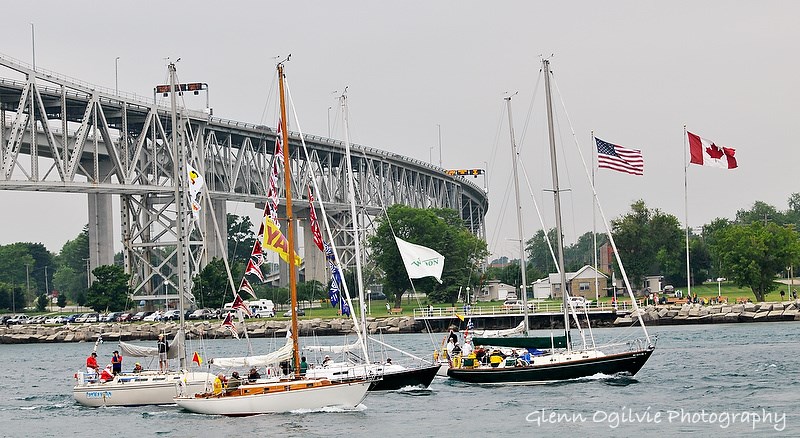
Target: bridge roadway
<point>61,134</point>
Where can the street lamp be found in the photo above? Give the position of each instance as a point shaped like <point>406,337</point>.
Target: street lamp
<point>329,122</point>
<point>430,154</point>
<point>369,300</point>
<point>719,286</point>
<point>116,76</point>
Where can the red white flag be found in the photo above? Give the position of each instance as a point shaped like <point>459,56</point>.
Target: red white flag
<point>312,219</point>
<point>252,268</point>
<point>228,324</point>
<point>245,286</point>
<point>238,304</point>
<point>705,153</point>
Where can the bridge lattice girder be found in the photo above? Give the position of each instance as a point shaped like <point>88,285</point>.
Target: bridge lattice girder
<point>60,135</point>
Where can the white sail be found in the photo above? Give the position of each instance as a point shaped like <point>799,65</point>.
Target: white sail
<point>276,357</point>
<point>141,351</point>
<point>333,348</point>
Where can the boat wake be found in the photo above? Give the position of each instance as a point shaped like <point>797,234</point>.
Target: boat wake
<point>415,391</point>
<point>331,409</point>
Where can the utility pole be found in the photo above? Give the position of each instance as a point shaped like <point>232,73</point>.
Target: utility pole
<point>27,280</point>
<point>116,76</point>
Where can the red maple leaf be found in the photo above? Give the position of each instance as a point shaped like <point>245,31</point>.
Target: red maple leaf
<point>714,152</point>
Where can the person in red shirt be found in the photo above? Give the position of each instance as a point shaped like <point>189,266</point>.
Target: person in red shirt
<point>91,364</point>
<point>116,363</point>
<point>106,375</point>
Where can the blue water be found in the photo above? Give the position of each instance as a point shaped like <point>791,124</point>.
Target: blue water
<point>714,380</point>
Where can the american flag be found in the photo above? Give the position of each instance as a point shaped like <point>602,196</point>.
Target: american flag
<point>618,158</point>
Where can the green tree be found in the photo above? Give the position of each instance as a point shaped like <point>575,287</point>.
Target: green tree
<point>61,301</point>
<point>13,259</point>
<point>111,289</point>
<point>310,291</point>
<point>650,242</point>
<point>240,238</point>
<point>439,229</point>
<point>751,255</point>
<point>41,303</point>
<point>761,212</point>
<point>211,287</point>
<point>70,277</point>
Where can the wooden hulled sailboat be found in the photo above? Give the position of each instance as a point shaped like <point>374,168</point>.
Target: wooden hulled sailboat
<point>569,363</point>
<point>392,376</point>
<point>293,392</point>
<point>152,387</point>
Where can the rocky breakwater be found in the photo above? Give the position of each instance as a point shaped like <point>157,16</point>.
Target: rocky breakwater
<point>716,313</point>
<point>261,328</point>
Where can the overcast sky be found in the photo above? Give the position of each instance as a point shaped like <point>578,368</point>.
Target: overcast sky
<point>633,71</point>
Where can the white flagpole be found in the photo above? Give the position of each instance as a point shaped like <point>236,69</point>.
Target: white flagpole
<point>686,212</point>
<point>594,230</point>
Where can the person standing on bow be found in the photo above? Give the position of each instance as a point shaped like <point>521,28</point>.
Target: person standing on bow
<point>163,348</point>
<point>116,363</point>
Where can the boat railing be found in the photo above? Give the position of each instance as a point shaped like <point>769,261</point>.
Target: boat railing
<point>511,310</point>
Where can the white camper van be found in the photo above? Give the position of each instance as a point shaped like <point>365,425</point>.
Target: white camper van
<point>262,308</point>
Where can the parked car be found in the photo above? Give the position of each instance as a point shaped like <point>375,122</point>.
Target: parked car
<point>579,302</point>
<point>124,317</point>
<point>300,312</point>
<point>38,319</point>
<point>171,315</point>
<point>88,317</point>
<point>203,314</point>
<point>18,319</point>
<point>57,319</point>
<point>266,313</point>
<point>140,316</point>
<point>110,317</point>
<point>153,316</point>
<point>73,317</point>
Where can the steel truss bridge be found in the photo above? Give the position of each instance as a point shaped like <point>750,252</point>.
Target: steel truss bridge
<point>63,135</point>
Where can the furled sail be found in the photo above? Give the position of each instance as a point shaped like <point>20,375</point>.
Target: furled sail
<point>333,348</point>
<point>277,356</point>
<point>142,351</point>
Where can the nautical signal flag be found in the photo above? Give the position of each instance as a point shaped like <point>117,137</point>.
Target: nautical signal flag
<point>611,156</point>
<point>196,358</point>
<point>705,153</point>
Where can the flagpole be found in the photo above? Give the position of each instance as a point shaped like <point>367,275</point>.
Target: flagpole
<point>686,212</point>
<point>594,225</point>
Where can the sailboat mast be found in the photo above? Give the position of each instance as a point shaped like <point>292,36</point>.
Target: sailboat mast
<point>523,264</point>
<point>356,238</point>
<point>179,170</point>
<point>556,196</point>
<point>287,176</point>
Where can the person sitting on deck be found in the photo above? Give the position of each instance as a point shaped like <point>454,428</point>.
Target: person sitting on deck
<point>456,349</point>
<point>137,368</point>
<point>496,358</point>
<point>233,383</point>
<point>106,375</point>
<point>326,361</point>
<point>218,382</point>
<point>254,375</point>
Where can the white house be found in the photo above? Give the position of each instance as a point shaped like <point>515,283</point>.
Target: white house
<point>497,291</point>
<point>582,283</point>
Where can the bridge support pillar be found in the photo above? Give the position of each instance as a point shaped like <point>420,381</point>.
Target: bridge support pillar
<point>101,226</point>
<point>283,266</point>
<point>213,238</point>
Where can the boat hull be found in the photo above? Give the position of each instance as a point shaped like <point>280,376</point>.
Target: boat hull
<point>422,376</point>
<point>627,362</point>
<point>141,389</point>
<point>345,394</point>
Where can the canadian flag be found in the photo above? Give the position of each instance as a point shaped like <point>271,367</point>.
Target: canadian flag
<point>705,153</point>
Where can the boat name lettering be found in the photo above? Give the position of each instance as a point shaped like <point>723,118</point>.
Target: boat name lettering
<point>98,394</point>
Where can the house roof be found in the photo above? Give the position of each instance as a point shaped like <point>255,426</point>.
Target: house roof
<point>585,272</point>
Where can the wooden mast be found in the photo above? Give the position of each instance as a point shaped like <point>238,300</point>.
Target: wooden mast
<point>287,176</point>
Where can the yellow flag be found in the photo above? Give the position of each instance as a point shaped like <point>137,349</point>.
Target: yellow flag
<point>197,358</point>
<point>274,240</point>
<point>459,316</point>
